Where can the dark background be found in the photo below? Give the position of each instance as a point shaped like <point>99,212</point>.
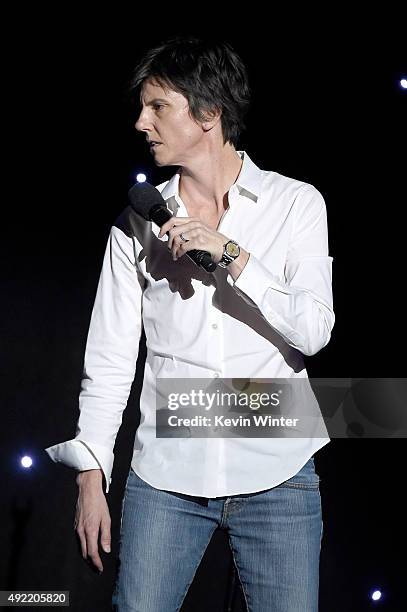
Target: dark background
<point>327,109</point>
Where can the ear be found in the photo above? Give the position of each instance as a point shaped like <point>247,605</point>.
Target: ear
<point>212,117</point>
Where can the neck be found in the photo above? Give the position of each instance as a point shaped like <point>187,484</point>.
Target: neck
<point>206,182</point>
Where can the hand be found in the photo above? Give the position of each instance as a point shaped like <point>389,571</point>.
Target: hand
<point>199,236</point>
<point>92,514</point>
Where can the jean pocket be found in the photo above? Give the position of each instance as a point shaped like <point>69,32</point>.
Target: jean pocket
<point>306,478</point>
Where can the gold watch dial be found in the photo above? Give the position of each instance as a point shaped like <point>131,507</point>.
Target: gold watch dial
<point>232,249</point>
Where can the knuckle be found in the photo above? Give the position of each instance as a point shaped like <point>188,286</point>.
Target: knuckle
<point>92,533</point>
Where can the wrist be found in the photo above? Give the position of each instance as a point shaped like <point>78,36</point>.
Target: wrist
<point>230,252</point>
<point>236,267</point>
<point>86,476</point>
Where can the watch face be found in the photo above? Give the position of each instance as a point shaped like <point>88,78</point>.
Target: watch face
<point>232,249</point>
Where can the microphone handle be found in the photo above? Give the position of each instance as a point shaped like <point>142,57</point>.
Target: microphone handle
<point>203,259</point>
<point>160,214</point>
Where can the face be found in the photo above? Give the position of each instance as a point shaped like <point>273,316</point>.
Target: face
<point>165,118</point>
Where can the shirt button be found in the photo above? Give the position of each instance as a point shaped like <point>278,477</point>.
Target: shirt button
<point>214,325</point>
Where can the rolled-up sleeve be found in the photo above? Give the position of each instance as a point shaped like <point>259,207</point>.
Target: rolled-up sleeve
<point>301,308</point>
<point>109,363</point>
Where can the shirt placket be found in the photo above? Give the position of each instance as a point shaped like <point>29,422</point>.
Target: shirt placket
<point>215,460</point>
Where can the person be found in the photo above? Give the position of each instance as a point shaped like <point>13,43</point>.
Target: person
<point>267,304</point>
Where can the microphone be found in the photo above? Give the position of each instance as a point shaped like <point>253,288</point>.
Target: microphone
<point>148,202</point>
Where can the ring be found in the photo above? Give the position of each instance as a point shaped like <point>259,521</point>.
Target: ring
<point>183,237</point>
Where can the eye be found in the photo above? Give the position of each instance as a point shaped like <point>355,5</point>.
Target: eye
<point>158,106</point>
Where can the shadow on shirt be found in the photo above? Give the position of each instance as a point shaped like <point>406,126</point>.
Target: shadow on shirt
<point>179,274</point>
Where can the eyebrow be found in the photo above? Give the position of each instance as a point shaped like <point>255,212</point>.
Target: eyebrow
<point>151,102</point>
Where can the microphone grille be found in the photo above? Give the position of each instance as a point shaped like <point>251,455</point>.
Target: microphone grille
<point>143,196</point>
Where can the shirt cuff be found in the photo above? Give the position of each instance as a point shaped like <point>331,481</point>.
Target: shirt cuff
<point>83,455</point>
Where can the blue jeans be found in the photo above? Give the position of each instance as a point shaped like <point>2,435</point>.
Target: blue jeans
<point>275,537</point>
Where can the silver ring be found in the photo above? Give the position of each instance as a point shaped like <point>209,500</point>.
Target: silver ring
<point>183,237</point>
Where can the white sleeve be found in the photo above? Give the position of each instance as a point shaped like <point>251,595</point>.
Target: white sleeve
<point>300,309</point>
<point>109,362</point>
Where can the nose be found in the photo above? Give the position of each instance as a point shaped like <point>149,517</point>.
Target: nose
<point>142,123</point>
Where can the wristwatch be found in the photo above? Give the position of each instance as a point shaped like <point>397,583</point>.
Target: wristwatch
<point>231,251</point>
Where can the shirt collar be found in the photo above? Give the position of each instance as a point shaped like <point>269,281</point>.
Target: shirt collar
<point>248,183</point>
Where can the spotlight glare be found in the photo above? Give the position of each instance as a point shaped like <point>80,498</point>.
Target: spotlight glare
<point>141,178</point>
<point>376,595</point>
<point>403,83</point>
<point>26,462</point>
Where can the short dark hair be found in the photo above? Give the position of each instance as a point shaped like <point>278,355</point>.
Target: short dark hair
<point>208,73</point>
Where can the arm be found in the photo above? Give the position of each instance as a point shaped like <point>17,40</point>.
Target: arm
<point>109,361</point>
<point>300,309</point>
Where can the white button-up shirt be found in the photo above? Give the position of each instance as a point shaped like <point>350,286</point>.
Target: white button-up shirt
<point>201,325</point>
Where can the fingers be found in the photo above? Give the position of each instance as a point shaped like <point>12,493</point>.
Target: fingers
<point>89,546</point>
<point>82,539</point>
<point>188,230</point>
<point>88,537</point>
<point>78,526</point>
<point>198,235</point>
<point>93,550</point>
<point>176,224</point>
<point>179,247</point>
<point>105,534</point>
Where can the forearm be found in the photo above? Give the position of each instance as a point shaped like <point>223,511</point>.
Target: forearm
<point>295,300</point>
<point>302,313</point>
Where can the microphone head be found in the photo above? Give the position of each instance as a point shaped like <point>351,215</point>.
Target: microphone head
<point>143,197</point>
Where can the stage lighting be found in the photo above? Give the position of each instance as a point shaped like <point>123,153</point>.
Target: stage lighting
<point>26,461</point>
<point>376,595</point>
